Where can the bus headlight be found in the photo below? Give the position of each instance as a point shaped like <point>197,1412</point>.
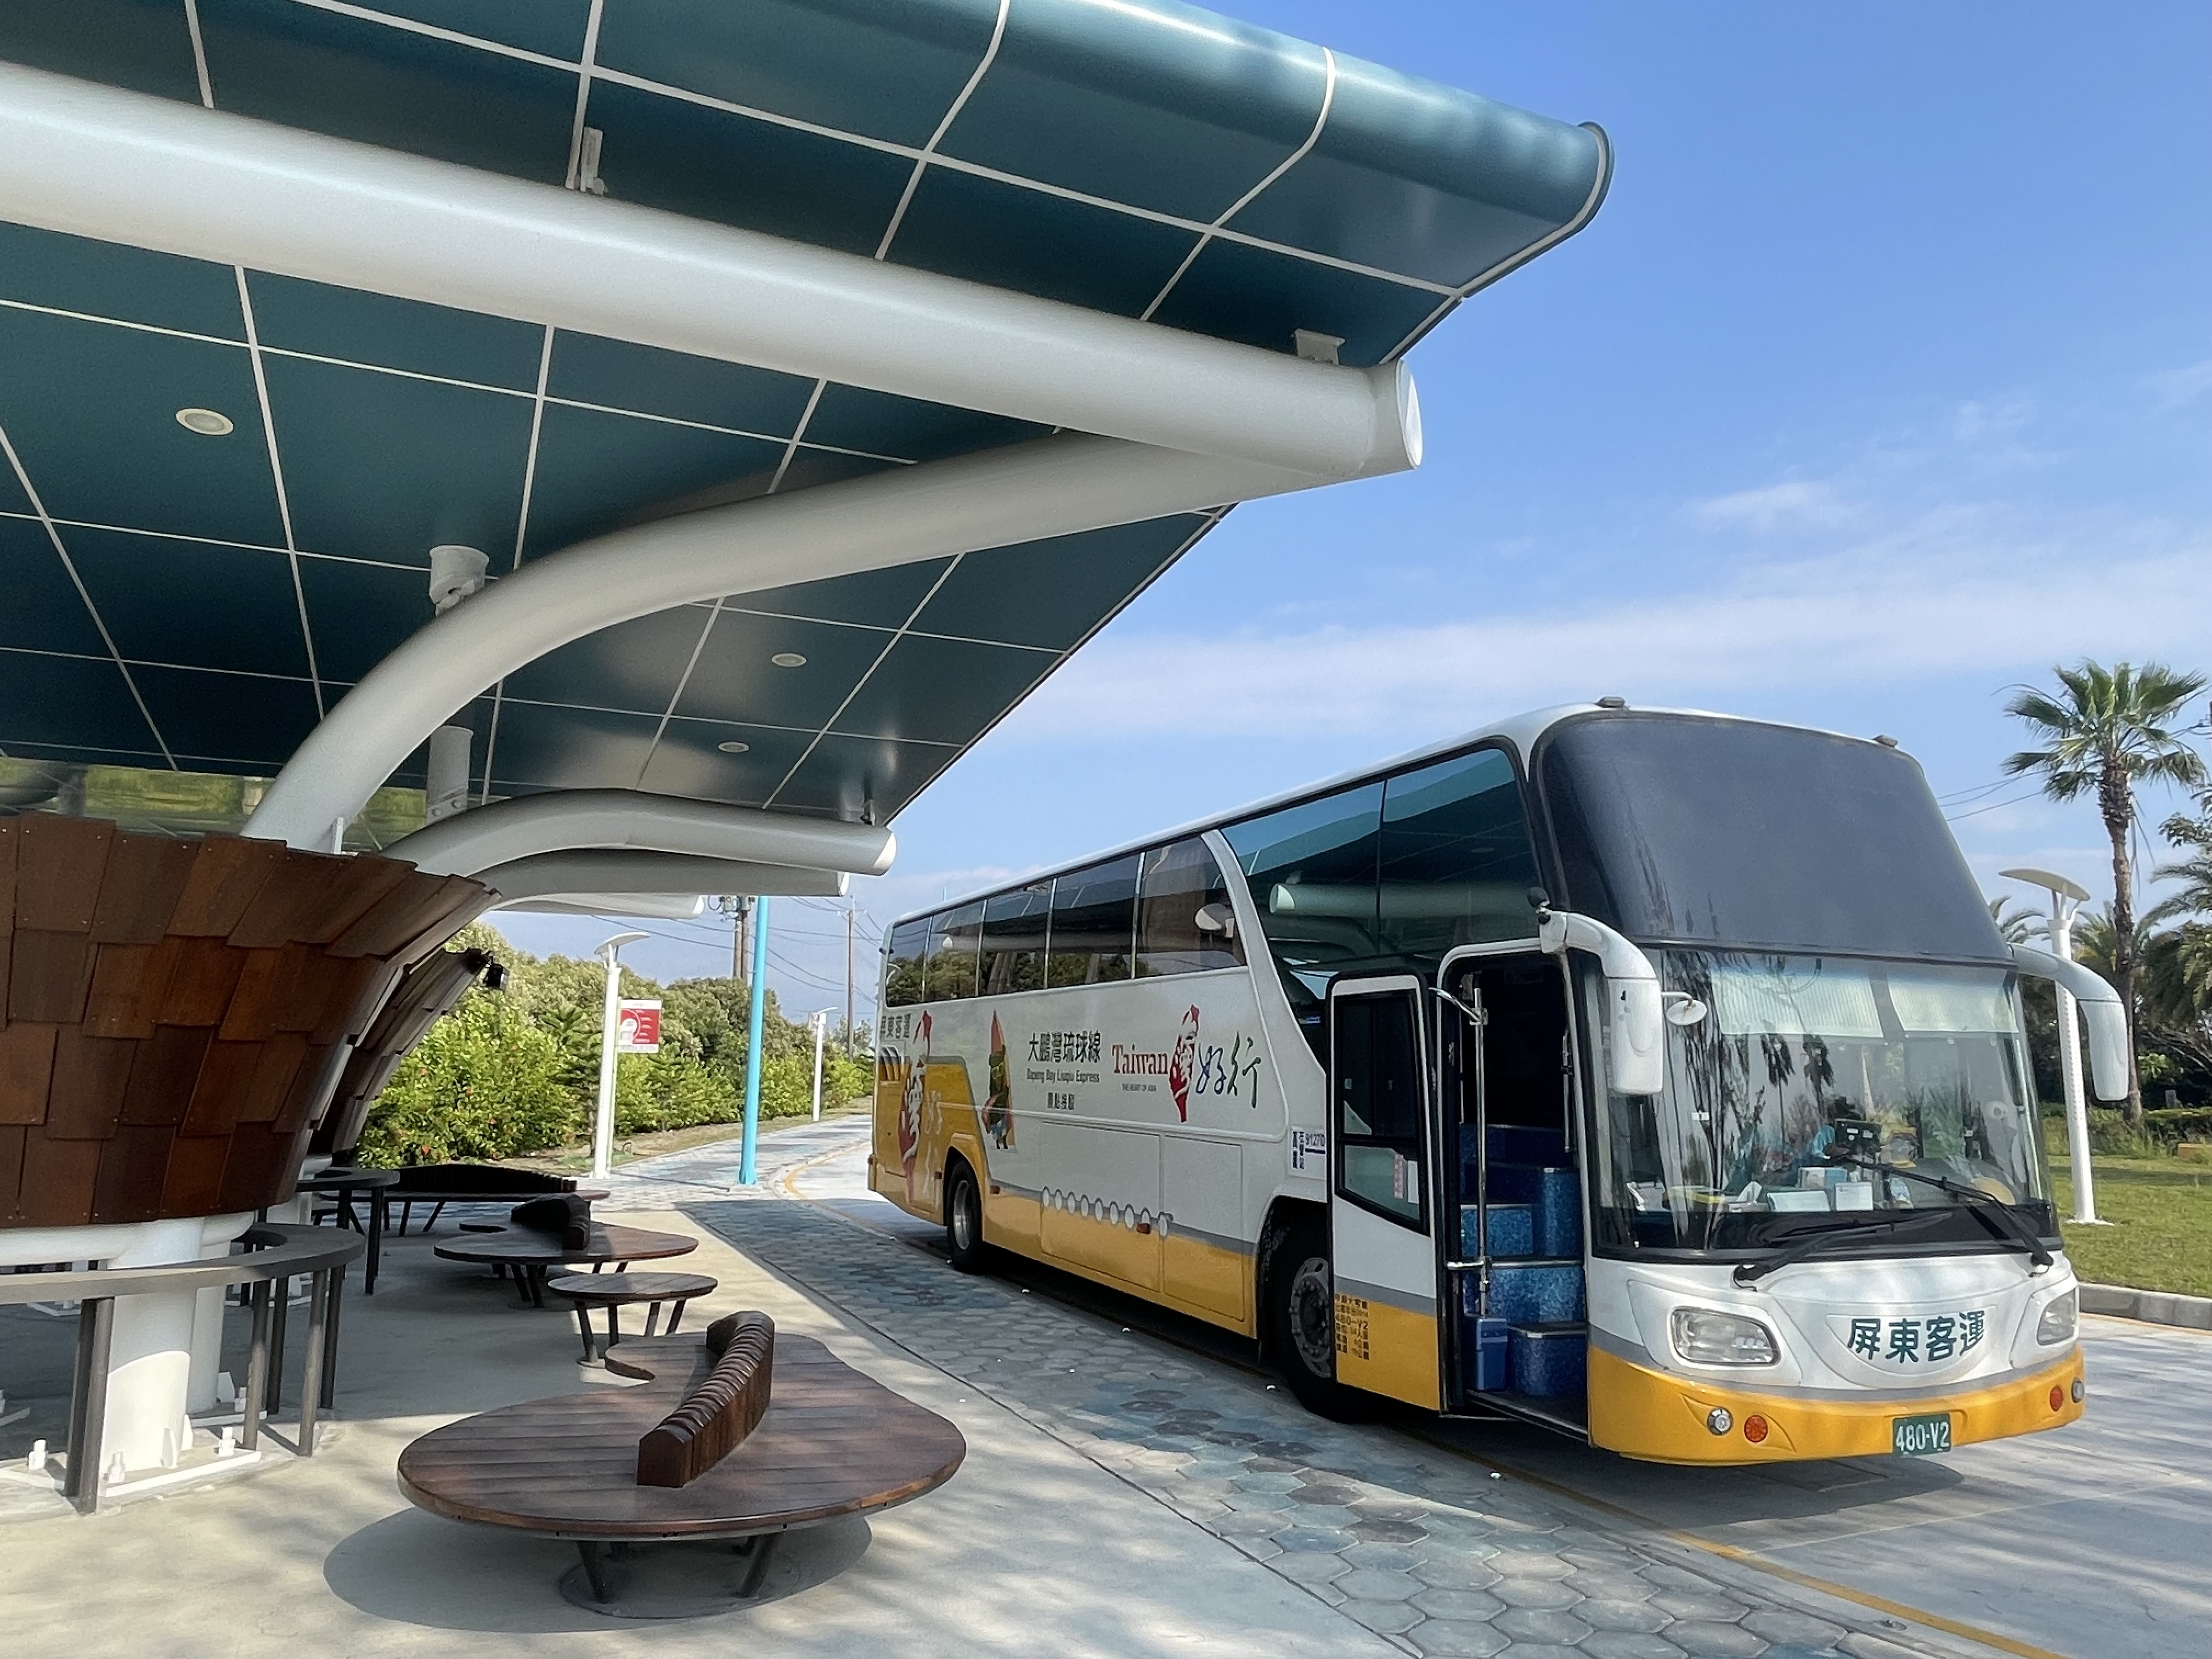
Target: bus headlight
<point>2060,1317</point>
<point>1704,1337</point>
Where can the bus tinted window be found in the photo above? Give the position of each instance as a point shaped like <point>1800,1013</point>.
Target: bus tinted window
<point>1184,922</point>
<point>910,950</point>
<point>1457,864</point>
<point>1013,939</point>
<point>956,939</point>
<point>1729,832</point>
<point>1311,869</point>
<point>1094,919</point>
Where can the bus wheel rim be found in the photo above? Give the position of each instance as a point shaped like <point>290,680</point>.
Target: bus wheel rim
<point>963,1217</point>
<point>1313,1331</point>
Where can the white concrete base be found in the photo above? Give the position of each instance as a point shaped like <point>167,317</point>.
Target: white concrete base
<point>162,1346</point>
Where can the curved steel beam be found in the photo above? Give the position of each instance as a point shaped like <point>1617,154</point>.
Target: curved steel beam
<point>596,870</point>
<point>125,167</point>
<point>565,822</point>
<point>1025,492</point>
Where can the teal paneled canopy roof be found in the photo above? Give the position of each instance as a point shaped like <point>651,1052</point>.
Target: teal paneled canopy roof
<point>221,484</point>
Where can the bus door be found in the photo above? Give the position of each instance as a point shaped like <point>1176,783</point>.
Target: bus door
<point>1382,1198</point>
<point>1513,1265</point>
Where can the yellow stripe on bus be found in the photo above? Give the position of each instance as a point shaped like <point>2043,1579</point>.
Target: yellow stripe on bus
<point>1641,1412</point>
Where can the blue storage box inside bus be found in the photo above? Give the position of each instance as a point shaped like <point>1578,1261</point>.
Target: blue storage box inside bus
<point>1513,1143</point>
<point>1512,1230</point>
<point>1493,1355</point>
<point>1549,1361</point>
<point>1530,1292</point>
<point>1553,1194</point>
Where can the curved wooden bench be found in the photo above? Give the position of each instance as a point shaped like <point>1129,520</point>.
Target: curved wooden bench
<point>830,1443</point>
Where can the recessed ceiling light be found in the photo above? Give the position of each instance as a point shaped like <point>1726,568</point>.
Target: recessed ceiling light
<point>208,423</point>
<point>733,747</point>
<point>788,659</point>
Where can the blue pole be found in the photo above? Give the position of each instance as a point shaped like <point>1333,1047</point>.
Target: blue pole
<point>746,1175</point>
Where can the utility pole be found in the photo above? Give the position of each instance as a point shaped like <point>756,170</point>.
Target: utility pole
<point>850,1046</point>
<point>741,911</point>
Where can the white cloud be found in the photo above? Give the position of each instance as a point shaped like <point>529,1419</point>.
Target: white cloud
<point>2173,387</point>
<point>1910,608</point>
<point>1797,503</point>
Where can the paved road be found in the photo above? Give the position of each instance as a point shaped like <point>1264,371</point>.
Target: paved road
<point>2090,1542</point>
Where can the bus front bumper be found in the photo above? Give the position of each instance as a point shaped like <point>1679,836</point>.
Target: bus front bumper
<point>1663,1418</point>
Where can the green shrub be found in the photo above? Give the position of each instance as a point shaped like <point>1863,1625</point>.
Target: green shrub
<point>519,1071</point>
<point>2111,1135</point>
<point>484,1082</point>
<point>2179,1122</point>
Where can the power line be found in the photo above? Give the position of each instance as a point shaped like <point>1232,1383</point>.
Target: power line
<point>1975,812</point>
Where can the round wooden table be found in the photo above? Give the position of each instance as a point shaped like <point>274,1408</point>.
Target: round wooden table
<point>615,1291</point>
<point>529,1253</point>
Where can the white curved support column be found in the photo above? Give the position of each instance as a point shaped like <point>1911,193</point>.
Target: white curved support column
<point>127,167</point>
<point>573,821</point>
<point>1052,486</point>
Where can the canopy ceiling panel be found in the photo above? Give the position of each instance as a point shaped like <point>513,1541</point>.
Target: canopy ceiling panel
<point>193,601</point>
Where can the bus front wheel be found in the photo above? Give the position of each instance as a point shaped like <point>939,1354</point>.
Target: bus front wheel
<point>1301,1323</point>
<point>964,1219</point>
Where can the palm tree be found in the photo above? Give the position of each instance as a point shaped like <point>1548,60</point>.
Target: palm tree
<point>2194,872</point>
<point>2105,730</point>
<point>2015,924</point>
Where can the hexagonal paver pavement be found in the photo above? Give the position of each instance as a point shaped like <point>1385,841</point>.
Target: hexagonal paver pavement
<point>1405,1539</point>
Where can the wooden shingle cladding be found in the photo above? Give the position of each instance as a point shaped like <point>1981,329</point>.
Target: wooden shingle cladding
<point>174,1008</point>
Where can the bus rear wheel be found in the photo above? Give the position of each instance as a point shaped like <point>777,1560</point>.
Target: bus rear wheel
<point>964,1219</point>
<point>1300,1317</point>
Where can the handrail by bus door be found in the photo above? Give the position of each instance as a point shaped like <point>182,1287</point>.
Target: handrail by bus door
<point>1473,1019</point>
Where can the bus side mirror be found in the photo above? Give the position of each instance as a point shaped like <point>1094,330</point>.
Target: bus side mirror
<point>1216,918</point>
<point>1634,1053</point>
<point>2100,1006</point>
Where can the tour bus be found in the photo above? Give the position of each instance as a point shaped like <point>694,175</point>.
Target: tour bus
<point>1657,1077</point>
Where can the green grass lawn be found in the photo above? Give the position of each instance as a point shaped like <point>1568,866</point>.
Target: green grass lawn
<point>2161,1238</point>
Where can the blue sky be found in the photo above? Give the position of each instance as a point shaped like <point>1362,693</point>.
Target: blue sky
<point>1882,382</point>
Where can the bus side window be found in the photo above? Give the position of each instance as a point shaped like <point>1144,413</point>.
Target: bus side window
<point>1184,922</point>
<point>1094,920</point>
<point>1377,1083</point>
<point>1013,939</point>
<point>1456,863</point>
<point>956,939</point>
<point>910,950</point>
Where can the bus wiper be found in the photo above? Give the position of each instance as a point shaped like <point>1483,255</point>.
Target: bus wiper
<point>1750,1272</point>
<point>1993,1212</point>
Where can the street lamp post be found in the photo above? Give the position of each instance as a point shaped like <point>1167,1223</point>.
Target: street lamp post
<point>2067,897</point>
<point>820,1021</point>
<point>748,1169</point>
<point>603,1122</point>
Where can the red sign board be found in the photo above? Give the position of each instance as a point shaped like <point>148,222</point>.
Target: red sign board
<point>637,1027</point>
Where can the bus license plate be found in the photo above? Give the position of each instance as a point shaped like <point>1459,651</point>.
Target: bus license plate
<point>1920,1437</point>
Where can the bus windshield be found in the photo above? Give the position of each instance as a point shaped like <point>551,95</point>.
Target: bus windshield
<point>1817,1090</point>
